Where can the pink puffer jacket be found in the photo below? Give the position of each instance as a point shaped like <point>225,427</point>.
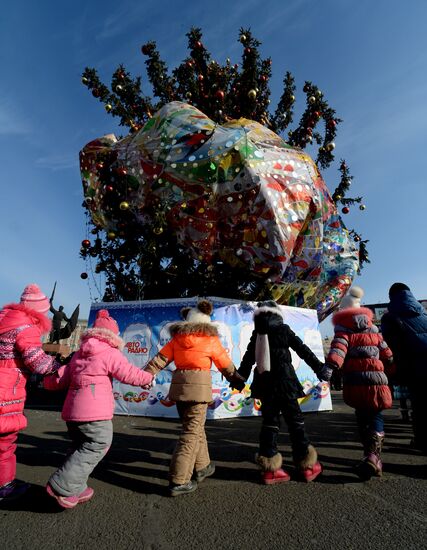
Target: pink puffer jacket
<point>21,355</point>
<point>89,374</point>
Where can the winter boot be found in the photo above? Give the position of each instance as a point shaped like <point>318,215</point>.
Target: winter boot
<point>371,464</point>
<point>309,467</point>
<point>72,500</point>
<point>272,472</point>
<point>12,490</point>
<point>184,489</point>
<point>202,474</point>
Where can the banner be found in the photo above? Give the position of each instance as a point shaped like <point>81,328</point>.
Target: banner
<point>144,326</point>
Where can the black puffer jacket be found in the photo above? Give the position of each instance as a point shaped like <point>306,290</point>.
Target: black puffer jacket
<point>281,380</point>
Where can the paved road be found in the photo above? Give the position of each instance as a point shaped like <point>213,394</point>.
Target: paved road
<point>232,510</point>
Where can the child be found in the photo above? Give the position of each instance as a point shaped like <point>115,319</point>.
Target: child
<point>89,405</point>
<point>195,344</point>
<point>21,326</point>
<point>359,349</point>
<point>276,384</point>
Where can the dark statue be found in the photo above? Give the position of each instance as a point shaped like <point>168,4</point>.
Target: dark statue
<point>58,331</point>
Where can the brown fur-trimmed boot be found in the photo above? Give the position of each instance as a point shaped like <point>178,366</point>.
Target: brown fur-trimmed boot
<point>309,467</point>
<point>272,472</point>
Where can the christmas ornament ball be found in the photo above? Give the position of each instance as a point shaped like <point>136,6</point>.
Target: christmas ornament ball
<point>330,146</point>
<point>84,275</point>
<point>86,243</point>
<point>219,94</point>
<point>158,230</point>
<point>362,207</point>
<point>345,210</point>
<point>252,94</point>
<point>312,99</point>
<point>243,38</point>
<point>124,205</point>
<point>111,235</point>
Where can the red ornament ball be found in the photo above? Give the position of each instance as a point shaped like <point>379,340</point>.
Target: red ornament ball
<point>83,275</point>
<point>86,243</point>
<point>96,92</point>
<point>219,94</point>
<point>332,123</point>
<point>121,171</point>
<point>198,45</point>
<point>247,51</point>
<point>200,78</point>
<point>145,49</point>
<point>345,210</point>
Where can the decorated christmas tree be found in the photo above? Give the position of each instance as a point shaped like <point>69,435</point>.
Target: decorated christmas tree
<point>209,191</point>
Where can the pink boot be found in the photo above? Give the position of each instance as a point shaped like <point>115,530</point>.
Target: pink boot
<point>310,474</point>
<point>71,501</point>
<point>371,464</point>
<point>278,476</point>
<point>309,467</point>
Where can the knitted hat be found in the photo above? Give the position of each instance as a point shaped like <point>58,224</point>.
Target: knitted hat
<point>103,320</point>
<point>33,298</point>
<point>352,298</point>
<point>268,306</point>
<point>199,314</point>
<point>397,287</point>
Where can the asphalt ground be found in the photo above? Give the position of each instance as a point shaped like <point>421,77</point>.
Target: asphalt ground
<point>232,510</point>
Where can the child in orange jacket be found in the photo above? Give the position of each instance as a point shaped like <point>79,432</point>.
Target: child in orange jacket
<point>195,344</point>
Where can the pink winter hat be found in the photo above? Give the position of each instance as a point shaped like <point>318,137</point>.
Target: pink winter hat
<point>103,320</point>
<point>33,298</point>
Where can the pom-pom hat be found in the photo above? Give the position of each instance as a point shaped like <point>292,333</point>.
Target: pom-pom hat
<point>33,298</point>
<point>352,298</point>
<point>103,320</point>
<point>200,314</point>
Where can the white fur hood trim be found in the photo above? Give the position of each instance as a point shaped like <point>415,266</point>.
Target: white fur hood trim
<point>104,335</point>
<point>267,309</point>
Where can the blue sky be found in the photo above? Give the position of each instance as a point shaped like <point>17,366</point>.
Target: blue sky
<point>369,59</point>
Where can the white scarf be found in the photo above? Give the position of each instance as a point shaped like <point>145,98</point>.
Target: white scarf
<point>262,353</point>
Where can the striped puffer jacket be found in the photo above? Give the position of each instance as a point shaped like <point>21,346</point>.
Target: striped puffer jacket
<point>359,349</point>
<point>21,354</point>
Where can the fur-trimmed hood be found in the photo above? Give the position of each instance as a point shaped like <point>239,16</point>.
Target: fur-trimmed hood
<point>15,315</point>
<point>353,318</point>
<point>185,327</point>
<point>102,335</point>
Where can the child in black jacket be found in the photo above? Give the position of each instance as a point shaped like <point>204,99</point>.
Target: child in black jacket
<point>276,384</point>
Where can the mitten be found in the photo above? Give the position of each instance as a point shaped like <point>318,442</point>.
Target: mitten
<point>237,382</point>
<point>325,373</point>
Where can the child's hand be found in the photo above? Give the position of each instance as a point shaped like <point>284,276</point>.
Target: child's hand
<point>324,373</point>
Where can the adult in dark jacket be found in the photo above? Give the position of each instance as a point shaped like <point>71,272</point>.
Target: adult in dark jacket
<point>275,383</point>
<point>404,327</point>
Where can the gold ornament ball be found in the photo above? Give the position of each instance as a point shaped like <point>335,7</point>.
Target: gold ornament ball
<point>330,146</point>
<point>252,94</point>
<point>111,235</point>
<point>319,93</point>
<point>243,38</point>
<point>362,207</point>
<point>108,107</point>
<point>338,197</point>
<point>292,98</point>
<point>124,205</point>
<point>312,99</point>
<point>158,230</point>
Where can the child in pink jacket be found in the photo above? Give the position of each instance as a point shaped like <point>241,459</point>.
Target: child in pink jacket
<point>89,405</point>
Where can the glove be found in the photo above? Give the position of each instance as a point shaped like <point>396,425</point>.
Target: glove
<point>237,382</point>
<point>325,373</point>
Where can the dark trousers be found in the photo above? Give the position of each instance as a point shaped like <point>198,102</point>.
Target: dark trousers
<point>271,409</point>
<point>369,421</point>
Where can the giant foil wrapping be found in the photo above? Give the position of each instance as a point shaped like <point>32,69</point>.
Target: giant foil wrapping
<point>237,192</point>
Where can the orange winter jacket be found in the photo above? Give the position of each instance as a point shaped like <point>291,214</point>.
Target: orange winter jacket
<point>193,348</point>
